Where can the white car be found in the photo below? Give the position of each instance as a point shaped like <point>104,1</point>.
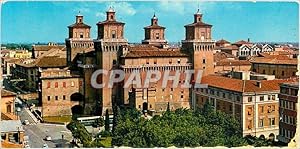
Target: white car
<point>45,146</point>
<point>26,122</point>
<point>48,138</point>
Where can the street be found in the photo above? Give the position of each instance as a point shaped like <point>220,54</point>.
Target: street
<point>37,132</point>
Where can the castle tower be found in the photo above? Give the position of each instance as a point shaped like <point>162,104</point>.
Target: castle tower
<point>154,34</point>
<point>79,39</point>
<point>199,45</point>
<point>108,46</point>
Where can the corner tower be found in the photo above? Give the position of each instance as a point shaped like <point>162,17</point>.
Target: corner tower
<point>199,45</point>
<point>154,34</point>
<point>108,46</point>
<point>79,38</point>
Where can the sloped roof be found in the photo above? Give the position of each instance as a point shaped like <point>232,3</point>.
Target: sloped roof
<point>47,47</point>
<point>243,86</point>
<point>110,22</point>
<point>274,59</point>
<point>227,62</point>
<point>154,26</point>
<point>222,41</point>
<point>79,25</point>
<point>5,93</point>
<point>158,53</point>
<point>51,61</point>
<point>198,24</point>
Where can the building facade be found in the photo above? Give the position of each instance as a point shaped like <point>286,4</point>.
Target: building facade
<point>280,66</point>
<point>288,100</point>
<point>61,91</point>
<point>254,103</point>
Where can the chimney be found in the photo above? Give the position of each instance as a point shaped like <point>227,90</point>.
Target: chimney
<point>258,84</point>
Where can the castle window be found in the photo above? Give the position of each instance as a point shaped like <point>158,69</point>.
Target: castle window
<point>155,61</point>
<point>111,17</point>
<point>80,20</point>
<point>282,73</point>
<point>48,84</point>
<point>178,61</point>
<point>170,61</point>
<point>49,98</point>
<point>64,84</point>
<point>81,34</point>
<point>72,84</point>
<point>56,97</point>
<point>273,72</point>
<point>56,84</point>
<point>261,123</point>
<point>157,35</point>
<point>113,34</point>
<point>203,61</point>
<point>80,83</point>
<point>64,97</point>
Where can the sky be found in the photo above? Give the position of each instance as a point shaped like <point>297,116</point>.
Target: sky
<point>32,22</point>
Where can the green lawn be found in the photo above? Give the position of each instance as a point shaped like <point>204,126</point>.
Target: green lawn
<point>106,141</point>
<point>59,119</point>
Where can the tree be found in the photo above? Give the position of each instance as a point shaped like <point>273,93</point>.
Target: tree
<point>117,116</point>
<point>106,120</point>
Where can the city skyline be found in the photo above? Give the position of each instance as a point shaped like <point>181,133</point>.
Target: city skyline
<point>248,23</point>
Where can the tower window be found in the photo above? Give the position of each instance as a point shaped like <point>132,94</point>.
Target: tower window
<point>80,20</point>
<point>157,35</point>
<point>111,17</point>
<point>203,61</point>
<point>113,34</point>
<point>81,35</point>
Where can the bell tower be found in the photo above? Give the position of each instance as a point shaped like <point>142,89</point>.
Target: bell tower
<point>108,46</point>
<point>79,38</point>
<point>199,45</point>
<point>154,34</point>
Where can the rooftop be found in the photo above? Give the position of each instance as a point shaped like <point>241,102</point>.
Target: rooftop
<point>139,51</point>
<point>11,126</point>
<point>5,93</point>
<point>274,59</point>
<point>243,86</point>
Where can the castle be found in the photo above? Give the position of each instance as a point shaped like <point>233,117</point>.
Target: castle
<point>111,51</point>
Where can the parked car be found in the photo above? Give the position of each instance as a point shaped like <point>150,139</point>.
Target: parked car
<point>26,122</point>
<point>45,145</point>
<point>48,138</point>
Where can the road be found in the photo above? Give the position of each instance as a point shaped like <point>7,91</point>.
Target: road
<point>38,132</point>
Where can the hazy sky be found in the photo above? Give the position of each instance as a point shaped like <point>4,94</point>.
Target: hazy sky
<point>48,21</point>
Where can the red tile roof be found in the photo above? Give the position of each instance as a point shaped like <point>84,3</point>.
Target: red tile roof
<point>199,24</point>
<point>5,93</point>
<point>243,86</point>
<point>110,22</point>
<point>274,59</point>
<point>222,41</point>
<point>158,53</point>
<point>228,62</point>
<point>79,25</point>
<point>154,26</point>
<point>222,55</point>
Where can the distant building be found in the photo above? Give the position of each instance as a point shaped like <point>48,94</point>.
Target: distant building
<point>48,50</point>
<point>278,65</point>
<point>288,100</point>
<point>254,103</point>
